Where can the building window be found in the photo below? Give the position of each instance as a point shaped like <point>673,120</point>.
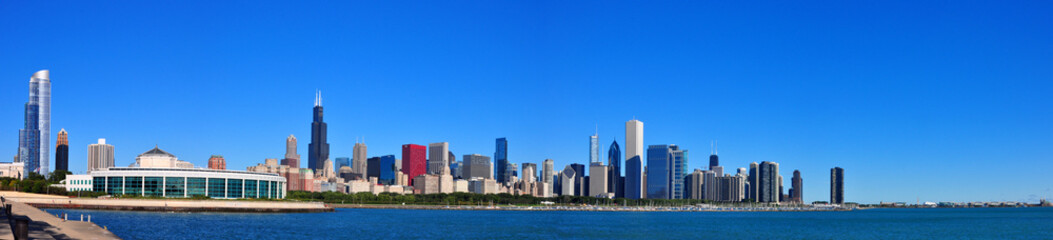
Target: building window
<point>234,188</point>
<point>99,184</point>
<point>115,185</point>
<point>195,187</point>
<point>264,189</point>
<point>153,186</point>
<point>133,186</point>
<point>217,188</point>
<point>174,186</point>
<point>251,189</point>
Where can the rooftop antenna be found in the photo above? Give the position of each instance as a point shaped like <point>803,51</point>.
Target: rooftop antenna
<point>715,152</point>
<point>712,146</point>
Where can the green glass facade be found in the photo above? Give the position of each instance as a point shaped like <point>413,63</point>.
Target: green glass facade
<point>133,186</point>
<point>234,188</point>
<point>179,187</point>
<point>175,186</point>
<point>251,189</point>
<point>152,186</point>
<point>217,188</point>
<point>195,187</point>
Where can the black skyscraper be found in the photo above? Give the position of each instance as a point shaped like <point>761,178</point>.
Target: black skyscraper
<point>713,160</point>
<point>837,185</point>
<point>318,150</point>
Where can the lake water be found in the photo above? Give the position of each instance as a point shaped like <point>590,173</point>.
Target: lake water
<point>977,223</point>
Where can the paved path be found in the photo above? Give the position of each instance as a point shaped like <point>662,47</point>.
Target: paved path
<point>47,226</point>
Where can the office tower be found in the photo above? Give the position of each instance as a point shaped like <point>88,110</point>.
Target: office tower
<point>693,185</point>
<point>413,161</point>
<point>372,168</point>
<point>837,185</point>
<point>291,158</point>
<point>567,179</point>
<point>548,171</point>
<point>217,162</point>
<point>598,180</point>
<point>33,140</point>
<point>358,160</point>
<point>100,156</point>
<point>580,189</point>
<point>386,170</point>
<point>634,160</point>
<point>796,188</point>
<point>476,166</point>
<point>62,151</point>
<point>768,191</point>
<point>713,159</point>
<point>437,157</point>
<point>594,149</point>
<point>753,180</point>
<point>659,169</point>
<point>501,157</point>
<point>511,172</point>
<point>615,181</point>
<point>318,150</point>
<point>679,170</point>
<point>529,172</point>
<point>457,169</point>
<point>342,162</point>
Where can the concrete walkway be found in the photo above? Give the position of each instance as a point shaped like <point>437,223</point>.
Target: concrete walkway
<point>47,226</point>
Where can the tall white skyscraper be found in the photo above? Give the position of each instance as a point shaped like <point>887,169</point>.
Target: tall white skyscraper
<point>548,170</point>
<point>438,158</point>
<point>594,148</point>
<point>633,139</point>
<point>358,160</point>
<point>100,155</point>
<point>35,139</point>
<point>634,166</point>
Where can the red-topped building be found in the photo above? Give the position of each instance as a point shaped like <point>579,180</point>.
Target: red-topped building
<point>414,160</point>
<point>217,162</point>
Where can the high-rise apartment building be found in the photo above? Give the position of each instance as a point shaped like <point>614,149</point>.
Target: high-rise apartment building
<point>438,158</point>
<point>693,185</point>
<point>501,157</point>
<point>615,181</point>
<point>837,185</point>
<point>414,161</point>
<point>62,151</point>
<point>753,182</point>
<point>34,147</point>
<point>634,188</point>
<point>100,156</point>
<point>358,161</point>
<point>292,159</point>
<point>529,172</point>
<point>217,162</point>
<point>548,171</point>
<point>769,182</point>
<point>797,187</point>
<point>318,150</point>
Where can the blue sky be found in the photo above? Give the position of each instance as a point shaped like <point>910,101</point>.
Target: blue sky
<point>934,101</point>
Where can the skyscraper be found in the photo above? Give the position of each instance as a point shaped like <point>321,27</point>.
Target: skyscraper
<point>753,180</point>
<point>594,149</point>
<point>40,91</point>
<point>768,191</point>
<point>567,181</point>
<point>548,171</point>
<point>217,162</point>
<point>713,159</point>
<point>529,172</point>
<point>438,158</point>
<point>659,174</point>
<point>62,151</point>
<point>342,162</point>
<point>100,156</point>
<point>693,185</point>
<point>580,188</point>
<point>679,170</point>
<point>598,180</point>
<point>837,185</point>
<point>615,181</point>
<point>797,187</point>
<point>318,150</point>
<point>291,158</point>
<point>358,161</point>
<point>413,161</point>
<point>633,159</point>
<point>387,170</point>
<point>477,166</point>
<point>501,157</point>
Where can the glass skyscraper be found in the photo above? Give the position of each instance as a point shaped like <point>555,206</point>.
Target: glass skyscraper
<point>341,162</point>
<point>659,169</point>
<point>34,148</point>
<point>387,170</point>
<point>318,149</point>
<point>615,182</point>
<point>679,171</point>
<point>501,158</point>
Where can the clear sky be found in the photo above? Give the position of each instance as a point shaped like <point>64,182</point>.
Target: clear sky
<point>936,101</point>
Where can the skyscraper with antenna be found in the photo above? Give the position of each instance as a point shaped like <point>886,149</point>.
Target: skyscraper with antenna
<point>713,159</point>
<point>318,149</point>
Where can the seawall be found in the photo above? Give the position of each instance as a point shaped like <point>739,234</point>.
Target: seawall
<point>176,205</point>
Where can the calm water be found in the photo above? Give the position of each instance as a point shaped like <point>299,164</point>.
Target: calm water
<point>1016,223</point>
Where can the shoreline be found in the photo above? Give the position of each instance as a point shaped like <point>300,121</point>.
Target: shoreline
<point>176,205</point>
<point>589,208</point>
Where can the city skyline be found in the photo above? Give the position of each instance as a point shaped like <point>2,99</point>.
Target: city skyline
<point>925,108</point>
